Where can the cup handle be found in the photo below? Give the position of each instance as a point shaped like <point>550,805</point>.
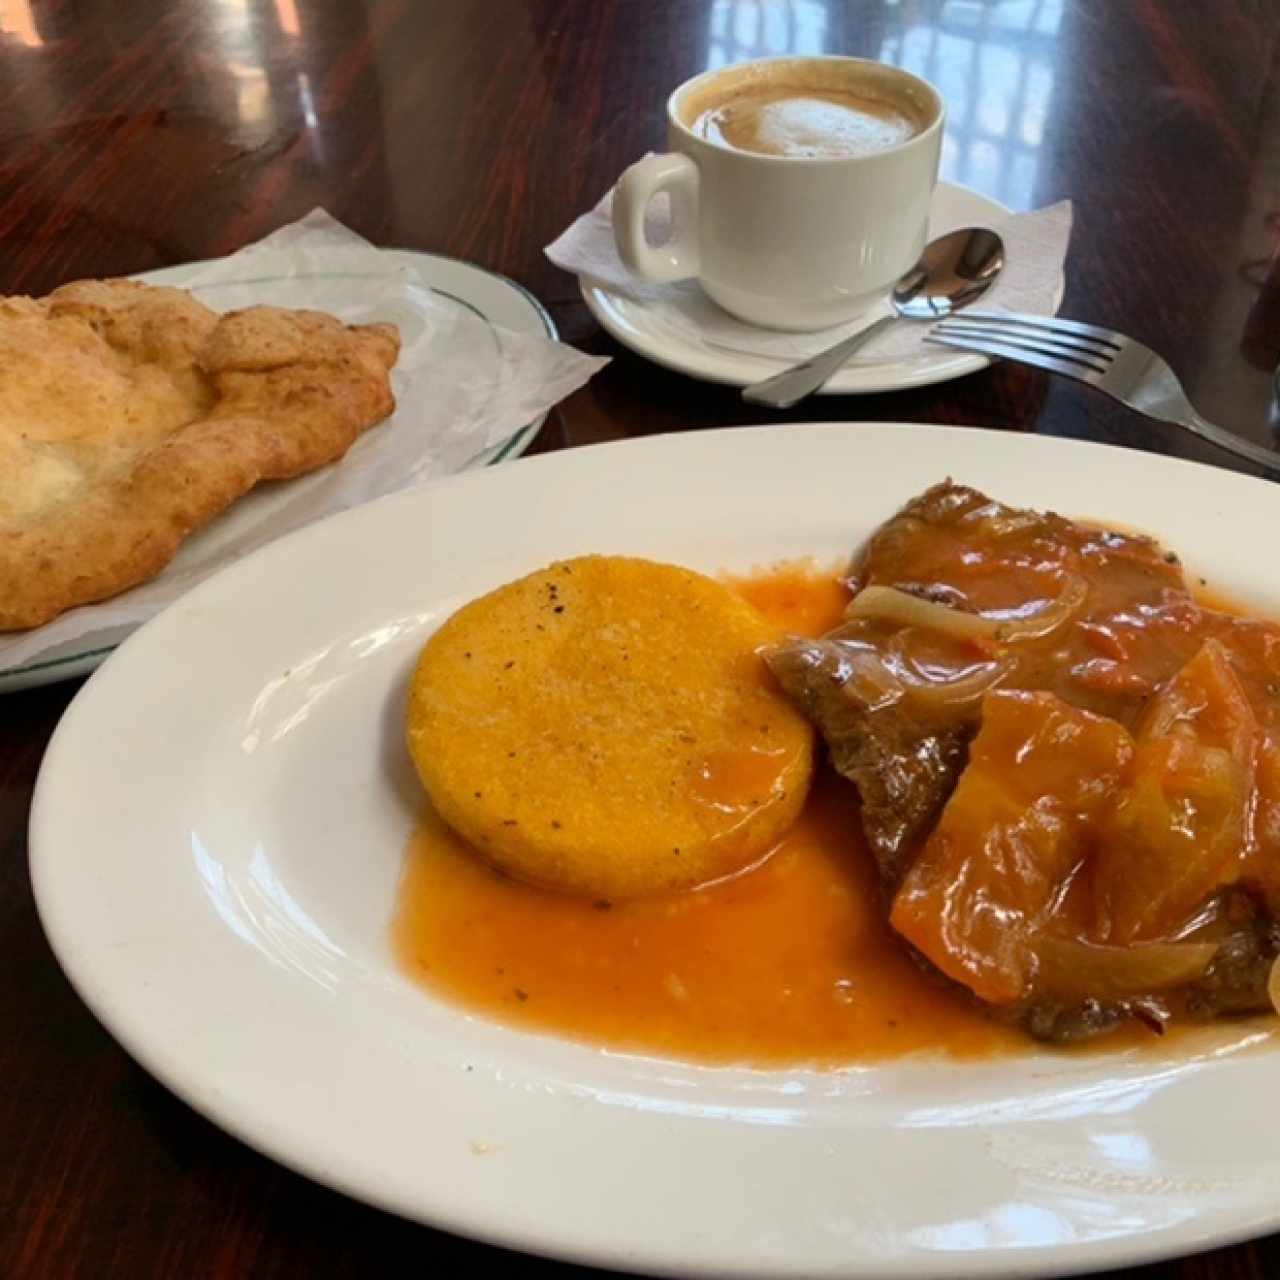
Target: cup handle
<point>677,259</point>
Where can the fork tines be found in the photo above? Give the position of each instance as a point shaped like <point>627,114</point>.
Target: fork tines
<point>1063,346</point>
<point>1110,362</point>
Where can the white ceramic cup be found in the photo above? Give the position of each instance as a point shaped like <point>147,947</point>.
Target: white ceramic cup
<point>785,242</point>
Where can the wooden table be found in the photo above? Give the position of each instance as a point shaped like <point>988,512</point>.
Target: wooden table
<point>139,135</point>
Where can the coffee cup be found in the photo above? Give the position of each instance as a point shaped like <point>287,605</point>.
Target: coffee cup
<point>799,187</point>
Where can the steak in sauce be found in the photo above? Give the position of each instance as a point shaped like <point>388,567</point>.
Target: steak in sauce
<point>1069,768</point>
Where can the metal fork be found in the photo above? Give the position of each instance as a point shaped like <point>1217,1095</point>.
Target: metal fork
<point>1113,363</point>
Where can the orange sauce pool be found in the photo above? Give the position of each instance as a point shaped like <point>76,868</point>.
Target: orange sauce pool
<point>790,962</point>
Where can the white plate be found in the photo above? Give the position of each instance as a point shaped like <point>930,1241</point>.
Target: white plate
<point>637,326</point>
<point>494,298</point>
<point>218,832</point>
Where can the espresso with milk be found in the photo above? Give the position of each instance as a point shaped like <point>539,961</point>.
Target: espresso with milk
<point>799,188</point>
<point>803,121</point>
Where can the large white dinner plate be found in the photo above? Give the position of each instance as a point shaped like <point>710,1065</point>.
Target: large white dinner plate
<point>218,832</point>
<point>498,301</point>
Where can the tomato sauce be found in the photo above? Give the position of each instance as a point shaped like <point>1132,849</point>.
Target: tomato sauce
<point>789,962</point>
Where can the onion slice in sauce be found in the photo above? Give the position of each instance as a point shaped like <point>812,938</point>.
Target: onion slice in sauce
<point>865,672</point>
<point>890,604</point>
<point>1057,613</point>
<point>939,686</point>
<point>1078,970</point>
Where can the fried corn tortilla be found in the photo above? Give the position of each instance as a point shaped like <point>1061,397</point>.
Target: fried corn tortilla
<point>131,415</point>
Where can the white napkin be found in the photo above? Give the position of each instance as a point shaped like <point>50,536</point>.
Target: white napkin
<point>1035,250</point>
<point>462,387</point>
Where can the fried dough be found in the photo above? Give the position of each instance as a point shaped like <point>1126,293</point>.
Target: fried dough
<point>131,415</point>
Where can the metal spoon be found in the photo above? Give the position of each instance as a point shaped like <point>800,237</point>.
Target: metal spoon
<point>953,271</point>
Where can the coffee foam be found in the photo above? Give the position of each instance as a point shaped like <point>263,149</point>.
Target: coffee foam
<point>784,121</point>
<point>807,108</point>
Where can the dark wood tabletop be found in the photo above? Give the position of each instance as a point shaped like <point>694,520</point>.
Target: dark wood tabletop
<point>136,135</point>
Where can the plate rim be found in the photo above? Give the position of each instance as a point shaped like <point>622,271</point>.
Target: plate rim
<point>44,671</point>
<point>1127,1251</point>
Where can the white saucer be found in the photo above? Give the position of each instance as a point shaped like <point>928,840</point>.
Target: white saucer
<point>500,302</point>
<point>635,325</point>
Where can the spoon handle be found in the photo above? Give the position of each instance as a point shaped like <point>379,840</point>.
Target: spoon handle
<point>792,385</point>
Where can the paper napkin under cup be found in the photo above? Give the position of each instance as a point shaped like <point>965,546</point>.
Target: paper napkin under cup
<point>462,387</point>
<point>1032,279</point>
